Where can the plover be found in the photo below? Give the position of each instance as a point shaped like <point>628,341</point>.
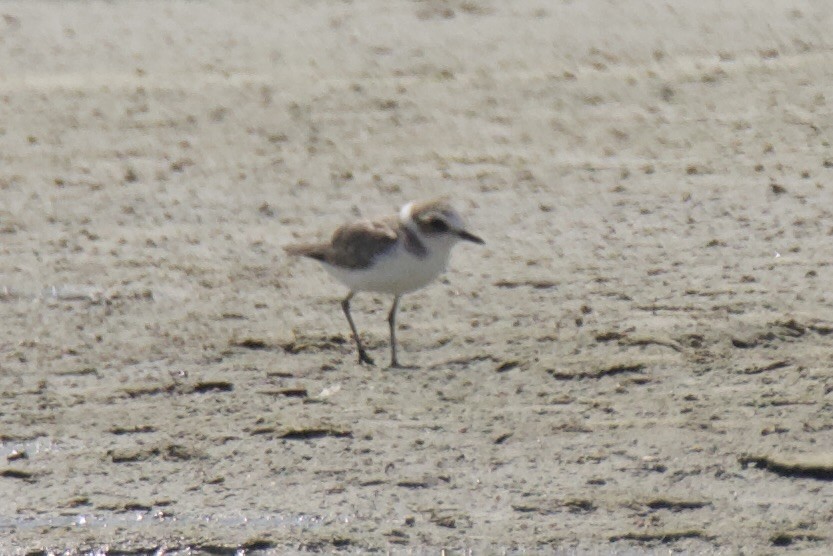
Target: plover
<point>393,255</point>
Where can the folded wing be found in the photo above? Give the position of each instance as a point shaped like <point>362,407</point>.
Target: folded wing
<point>353,245</point>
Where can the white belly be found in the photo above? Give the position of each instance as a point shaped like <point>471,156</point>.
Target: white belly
<point>396,273</point>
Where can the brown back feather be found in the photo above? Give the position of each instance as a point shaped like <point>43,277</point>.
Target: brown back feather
<point>353,245</point>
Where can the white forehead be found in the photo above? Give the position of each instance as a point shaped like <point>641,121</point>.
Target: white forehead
<point>405,211</point>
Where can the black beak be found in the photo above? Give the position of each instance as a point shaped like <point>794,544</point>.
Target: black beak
<point>469,237</point>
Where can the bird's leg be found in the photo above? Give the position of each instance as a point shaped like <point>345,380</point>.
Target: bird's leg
<point>345,305</point>
<point>394,362</point>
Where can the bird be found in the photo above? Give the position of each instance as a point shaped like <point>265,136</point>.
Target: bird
<point>393,255</point>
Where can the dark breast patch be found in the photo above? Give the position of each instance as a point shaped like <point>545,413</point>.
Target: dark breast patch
<point>413,244</point>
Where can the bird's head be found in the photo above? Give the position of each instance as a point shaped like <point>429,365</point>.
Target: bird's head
<point>437,222</point>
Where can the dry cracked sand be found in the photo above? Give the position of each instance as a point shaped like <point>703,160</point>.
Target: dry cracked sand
<point>637,361</point>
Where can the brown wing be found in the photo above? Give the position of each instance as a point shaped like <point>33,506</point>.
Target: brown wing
<point>353,245</point>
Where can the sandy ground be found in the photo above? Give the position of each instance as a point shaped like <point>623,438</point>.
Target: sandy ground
<point>639,360</point>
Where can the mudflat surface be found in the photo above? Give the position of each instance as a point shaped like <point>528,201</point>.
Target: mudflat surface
<point>638,360</point>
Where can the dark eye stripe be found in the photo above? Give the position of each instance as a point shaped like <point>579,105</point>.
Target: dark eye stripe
<point>438,225</point>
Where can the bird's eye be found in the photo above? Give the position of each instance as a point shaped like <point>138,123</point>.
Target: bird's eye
<point>438,225</point>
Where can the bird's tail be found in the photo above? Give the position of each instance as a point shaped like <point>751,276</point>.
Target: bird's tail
<point>315,251</point>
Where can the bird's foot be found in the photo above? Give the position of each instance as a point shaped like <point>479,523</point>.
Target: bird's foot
<point>395,364</point>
